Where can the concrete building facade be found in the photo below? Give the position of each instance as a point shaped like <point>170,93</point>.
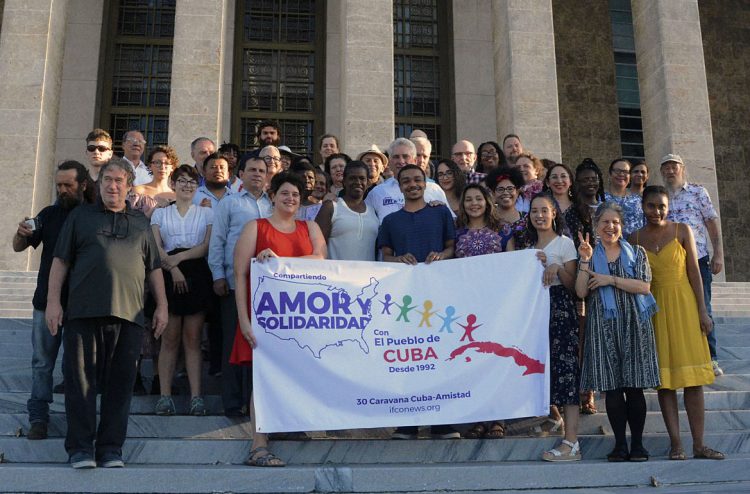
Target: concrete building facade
<point>559,73</point>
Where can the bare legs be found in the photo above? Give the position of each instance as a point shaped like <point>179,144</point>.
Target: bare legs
<point>695,408</point>
<point>185,329</point>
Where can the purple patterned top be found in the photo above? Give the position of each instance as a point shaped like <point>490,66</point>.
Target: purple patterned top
<point>471,243</point>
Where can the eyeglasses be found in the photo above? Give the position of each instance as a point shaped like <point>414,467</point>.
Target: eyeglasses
<point>505,190</point>
<point>271,159</point>
<point>186,183</point>
<point>161,163</point>
<point>620,171</point>
<point>588,180</point>
<point>102,149</point>
<point>445,174</point>
<point>133,140</point>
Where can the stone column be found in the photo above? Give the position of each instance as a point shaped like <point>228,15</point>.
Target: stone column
<point>31,59</point>
<point>674,93</point>
<point>526,75</point>
<point>78,97</point>
<point>473,70</point>
<point>362,64</point>
<point>198,65</point>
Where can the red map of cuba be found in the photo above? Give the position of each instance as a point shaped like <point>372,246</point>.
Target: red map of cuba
<point>532,366</point>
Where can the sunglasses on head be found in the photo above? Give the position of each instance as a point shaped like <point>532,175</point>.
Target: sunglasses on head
<point>91,148</point>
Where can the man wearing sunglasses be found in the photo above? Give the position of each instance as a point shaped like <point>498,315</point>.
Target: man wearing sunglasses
<point>98,151</point>
<point>106,251</point>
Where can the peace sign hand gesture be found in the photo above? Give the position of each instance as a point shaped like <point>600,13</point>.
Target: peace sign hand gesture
<point>585,251</point>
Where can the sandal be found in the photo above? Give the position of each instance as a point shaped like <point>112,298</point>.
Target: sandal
<point>638,454</point>
<point>477,431</point>
<point>556,455</point>
<point>588,407</point>
<point>496,431</point>
<point>708,454</point>
<point>549,427</point>
<point>620,453</point>
<point>677,454</point>
<point>261,457</point>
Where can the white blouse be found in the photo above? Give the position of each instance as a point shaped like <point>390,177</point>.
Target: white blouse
<point>182,232</point>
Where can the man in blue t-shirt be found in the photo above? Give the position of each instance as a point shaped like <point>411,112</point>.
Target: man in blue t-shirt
<point>416,233</point>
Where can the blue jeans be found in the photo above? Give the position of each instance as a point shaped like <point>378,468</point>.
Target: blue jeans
<point>707,277</point>
<point>45,349</point>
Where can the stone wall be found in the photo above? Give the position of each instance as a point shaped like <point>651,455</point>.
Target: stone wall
<point>589,126</point>
<point>725,25</point>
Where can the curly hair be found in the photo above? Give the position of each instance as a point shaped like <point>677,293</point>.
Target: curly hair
<point>174,160</point>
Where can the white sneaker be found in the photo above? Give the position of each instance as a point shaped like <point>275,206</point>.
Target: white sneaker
<point>717,370</point>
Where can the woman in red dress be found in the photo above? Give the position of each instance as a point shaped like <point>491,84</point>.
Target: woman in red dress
<point>278,236</point>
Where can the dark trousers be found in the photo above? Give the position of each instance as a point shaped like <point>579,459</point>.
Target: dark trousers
<point>100,355</point>
<point>235,382</point>
<point>215,333</point>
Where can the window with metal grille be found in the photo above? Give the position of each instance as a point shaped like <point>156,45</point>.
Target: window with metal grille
<point>420,70</point>
<point>626,76</point>
<point>278,71</point>
<point>138,69</point>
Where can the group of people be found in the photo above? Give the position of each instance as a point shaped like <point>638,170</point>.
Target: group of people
<point>627,267</point>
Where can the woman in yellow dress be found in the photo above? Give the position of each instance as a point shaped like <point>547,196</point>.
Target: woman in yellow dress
<point>682,323</point>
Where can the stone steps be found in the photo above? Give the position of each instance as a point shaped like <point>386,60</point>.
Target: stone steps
<point>593,476</point>
<point>205,454</point>
<point>220,427</point>
<point>161,451</point>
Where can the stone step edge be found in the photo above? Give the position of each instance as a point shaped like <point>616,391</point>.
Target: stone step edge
<point>381,478</point>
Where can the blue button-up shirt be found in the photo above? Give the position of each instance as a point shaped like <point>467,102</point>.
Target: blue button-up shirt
<point>203,193</point>
<point>231,215</point>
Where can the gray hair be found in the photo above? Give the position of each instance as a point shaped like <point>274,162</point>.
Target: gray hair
<point>121,164</point>
<point>266,149</point>
<point>199,139</point>
<point>607,206</point>
<point>402,141</point>
<point>423,141</point>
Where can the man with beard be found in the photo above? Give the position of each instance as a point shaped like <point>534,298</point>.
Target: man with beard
<point>413,234</point>
<point>512,148</point>
<point>231,153</point>
<point>230,217</point>
<point>215,180</point>
<point>690,203</point>
<point>73,184</point>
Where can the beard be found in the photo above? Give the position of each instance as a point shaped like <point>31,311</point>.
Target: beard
<point>68,201</point>
<point>216,185</point>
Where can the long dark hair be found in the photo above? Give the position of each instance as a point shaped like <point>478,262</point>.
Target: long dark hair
<point>557,223</point>
<point>459,177</point>
<point>491,217</point>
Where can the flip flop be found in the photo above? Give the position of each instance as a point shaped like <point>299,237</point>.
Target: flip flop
<point>677,454</point>
<point>708,454</point>
<point>262,457</point>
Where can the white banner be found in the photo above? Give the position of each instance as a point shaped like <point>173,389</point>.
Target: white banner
<point>348,344</point>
